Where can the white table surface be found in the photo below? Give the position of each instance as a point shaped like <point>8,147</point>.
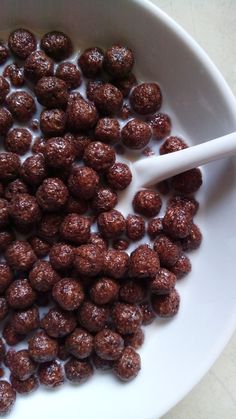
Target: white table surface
<point>213,25</point>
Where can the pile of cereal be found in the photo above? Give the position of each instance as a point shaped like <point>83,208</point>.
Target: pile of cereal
<point>63,244</point>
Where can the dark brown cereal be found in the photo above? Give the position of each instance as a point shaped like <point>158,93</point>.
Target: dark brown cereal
<point>163,282</point>
<point>57,45</point>
<point>125,112</point>
<point>20,255</point>
<point>6,121</point>
<point>78,371</point>
<point>24,209</point>
<point>61,256</point>
<point>188,182</point>
<point>166,305</point>
<point>161,125</point>
<point>38,145</point>
<point>76,206</point>
<point>172,144</point>
<point>59,153</point>
<point>21,43</point>
<point>40,247</point>
<point>99,156</point>
<point>70,74</point>
<point>146,98</point>
<point>58,323</point>
<point>2,350</point>
<point>148,151</point>
<point>116,263</point>
<point>42,348</point>
<point>42,277</point>
<point>25,321</point>
<point>68,293</point>
<point>4,212</point>
<point>7,397</point>
<point>119,176</point>
<point>105,199</point>
<point>127,318</point>
<point>147,313</point>
<point>108,99</point>
<point>108,130</point>
<point>4,310</point>
<point>127,367</point>
<point>154,227</point>
<point>4,89</point>
<point>104,291</point>
<point>75,228</point>
<point>89,260</point>
<point>147,202</point>
<point>135,340</point>
<point>167,250</point>
<point>52,194</point>
<point>136,134</point>
<point>91,62</point>
<point>21,365</point>
<point>63,354</point>
<point>20,294</point>
<point>11,337</point>
<point>135,227</point>
<point>118,60</point>
<point>177,222</point>
<point>93,317</point>
<point>132,292</point>
<point>81,115</point>
<point>111,224</point>
<point>21,105</point>
<point>182,266</point>
<point>125,84</point>
<point>52,122</point>
<point>26,386</point>
<point>15,73</point>
<point>92,85</point>
<point>33,169</point>
<point>6,276</point>
<point>51,374</point>
<point>83,182</point>
<point>144,262</point>
<point>4,53</point>
<point>102,364</point>
<point>6,237</point>
<point>2,192</point>
<point>97,240</point>
<point>52,92</point>
<point>187,203</point>
<point>79,343</point>
<point>193,240</point>
<point>14,188</point>
<point>38,65</point>
<point>120,244</point>
<point>49,226</point>
<point>108,344</point>
<point>80,142</point>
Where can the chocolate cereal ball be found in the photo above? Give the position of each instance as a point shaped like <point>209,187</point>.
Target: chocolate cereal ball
<point>6,121</point>
<point>108,344</point>
<point>4,212</point>
<point>26,386</point>
<point>80,142</point>
<point>177,223</point>
<point>57,45</point>
<point>92,317</point>
<point>116,263</point>
<point>61,256</point>
<point>147,202</point>
<point>77,206</point>
<point>20,294</point>
<point>193,240</point>
<point>24,209</point>
<point>52,122</point>
<point>40,247</point>
<point>144,262</point>
<point>154,227</point>
<point>49,226</point>
<point>70,74</point>
<point>38,65</point>
<point>21,365</point>
<point>42,348</point>
<point>119,176</point>
<point>135,340</point>
<point>118,60</point>
<point>125,84</point>
<point>11,337</point>
<point>187,203</point>
<point>127,367</point>
<point>83,182</point>
<point>52,92</point>
<point>9,166</point>
<point>79,343</point>
<point>22,105</point>
<point>104,291</point>
<point>15,73</point>
<point>105,199</point>
<point>88,260</point>
<point>97,240</point>
<point>6,237</point>
<point>147,313</point>
<point>99,156</point>
<point>42,277</point>
<point>20,255</point>
<point>52,194</point>
<point>146,98</point>
<point>132,292</point>
<point>51,374</point>
<point>33,170</point>
<point>92,85</point>
<point>108,99</point>
<point>111,224</point>
<point>78,371</point>
<point>127,318</point>
<point>172,144</point>
<point>2,350</point>
<point>136,134</point>
<point>166,305</point>
<point>188,182</point>
<point>75,228</point>
<point>91,61</point>
<point>4,89</point>
<point>163,282</point>
<point>59,153</point>
<point>161,125</point>
<point>68,293</point>
<point>167,250</point>
<point>21,43</point>
<point>18,140</point>
<point>7,397</point>
<point>182,266</point>
<point>4,310</point>
<point>120,244</point>
<point>38,145</point>
<point>108,130</point>
<point>81,114</point>
<point>58,323</point>
<point>4,53</point>
<point>25,321</point>
<point>135,227</point>
<point>102,364</point>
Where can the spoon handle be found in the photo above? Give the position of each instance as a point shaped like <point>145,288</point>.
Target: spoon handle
<point>154,169</point>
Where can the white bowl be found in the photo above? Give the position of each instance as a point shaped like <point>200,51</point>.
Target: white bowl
<point>176,353</point>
